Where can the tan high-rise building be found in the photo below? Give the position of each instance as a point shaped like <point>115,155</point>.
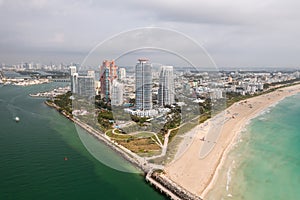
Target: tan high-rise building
<point>108,73</point>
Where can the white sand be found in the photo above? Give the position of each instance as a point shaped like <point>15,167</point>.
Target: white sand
<point>196,168</point>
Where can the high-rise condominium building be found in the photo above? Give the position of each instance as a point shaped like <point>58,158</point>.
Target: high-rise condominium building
<point>72,70</point>
<point>117,93</point>
<point>86,86</point>
<point>82,85</point>
<point>108,73</point>
<point>166,93</point>
<point>143,85</point>
<point>73,78</point>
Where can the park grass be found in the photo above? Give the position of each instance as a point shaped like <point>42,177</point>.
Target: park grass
<point>144,143</point>
<point>143,134</point>
<point>140,145</point>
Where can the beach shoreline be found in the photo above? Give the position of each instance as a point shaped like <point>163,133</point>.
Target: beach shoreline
<point>215,158</point>
<point>185,170</point>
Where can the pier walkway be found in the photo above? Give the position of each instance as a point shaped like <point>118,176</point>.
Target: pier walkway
<point>161,188</point>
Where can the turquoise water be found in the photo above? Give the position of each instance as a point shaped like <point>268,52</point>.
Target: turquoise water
<point>265,164</point>
<point>33,151</point>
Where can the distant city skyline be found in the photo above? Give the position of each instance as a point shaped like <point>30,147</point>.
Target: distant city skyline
<point>252,33</point>
<point>65,67</point>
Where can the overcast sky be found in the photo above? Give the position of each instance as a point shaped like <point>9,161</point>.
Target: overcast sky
<point>235,33</point>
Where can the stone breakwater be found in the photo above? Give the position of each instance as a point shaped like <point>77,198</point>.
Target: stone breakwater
<point>122,151</point>
<point>170,188</point>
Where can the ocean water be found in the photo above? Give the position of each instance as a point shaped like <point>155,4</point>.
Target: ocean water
<point>265,163</point>
<point>33,151</point>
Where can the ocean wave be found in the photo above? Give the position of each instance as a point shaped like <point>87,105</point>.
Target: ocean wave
<point>228,175</point>
<point>262,119</point>
<point>244,129</point>
<point>241,134</point>
<point>265,111</point>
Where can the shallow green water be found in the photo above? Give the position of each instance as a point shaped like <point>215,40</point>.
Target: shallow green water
<point>33,151</point>
<point>265,164</point>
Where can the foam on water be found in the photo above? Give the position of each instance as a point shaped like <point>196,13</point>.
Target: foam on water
<point>229,176</point>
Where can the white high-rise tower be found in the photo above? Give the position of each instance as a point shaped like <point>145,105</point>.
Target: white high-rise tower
<point>117,93</point>
<point>166,91</point>
<point>73,77</point>
<point>143,85</point>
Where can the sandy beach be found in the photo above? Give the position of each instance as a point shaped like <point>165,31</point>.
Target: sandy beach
<point>196,168</point>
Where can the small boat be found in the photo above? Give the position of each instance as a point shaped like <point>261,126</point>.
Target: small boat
<point>17,119</point>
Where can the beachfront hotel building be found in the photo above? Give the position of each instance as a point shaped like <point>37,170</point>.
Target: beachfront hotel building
<point>108,73</point>
<point>143,85</point>
<point>166,95</point>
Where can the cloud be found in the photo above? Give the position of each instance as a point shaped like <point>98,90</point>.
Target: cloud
<point>235,32</point>
<point>58,38</point>
<point>212,12</point>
